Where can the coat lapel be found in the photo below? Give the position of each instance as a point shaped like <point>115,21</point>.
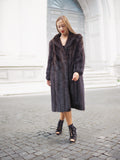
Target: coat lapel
<point>70,39</point>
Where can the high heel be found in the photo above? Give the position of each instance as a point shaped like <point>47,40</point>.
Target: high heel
<point>59,127</point>
<point>73,134</point>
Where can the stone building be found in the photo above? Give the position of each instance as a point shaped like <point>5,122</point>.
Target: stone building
<point>26,26</point>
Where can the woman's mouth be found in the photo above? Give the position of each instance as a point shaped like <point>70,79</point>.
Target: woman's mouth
<point>62,31</point>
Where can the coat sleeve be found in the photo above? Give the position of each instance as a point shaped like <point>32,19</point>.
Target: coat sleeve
<point>50,58</point>
<point>79,58</point>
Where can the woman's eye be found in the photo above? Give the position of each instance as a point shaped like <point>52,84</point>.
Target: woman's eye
<point>61,26</point>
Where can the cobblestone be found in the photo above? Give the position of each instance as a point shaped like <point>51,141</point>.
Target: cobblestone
<point>28,127</point>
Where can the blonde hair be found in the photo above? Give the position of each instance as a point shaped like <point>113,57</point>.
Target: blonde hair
<point>66,22</point>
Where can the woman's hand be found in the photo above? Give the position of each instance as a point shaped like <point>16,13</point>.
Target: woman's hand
<point>49,83</point>
<point>75,76</point>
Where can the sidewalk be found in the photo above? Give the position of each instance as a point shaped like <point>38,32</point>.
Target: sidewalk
<point>27,128</point>
<point>24,88</point>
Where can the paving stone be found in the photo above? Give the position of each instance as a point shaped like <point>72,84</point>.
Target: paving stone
<point>96,154</point>
<point>50,158</point>
<point>22,154</point>
<point>86,156</point>
<point>6,158</point>
<point>14,155</point>
<point>94,158</point>
<point>107,153</point>
<point>28,157</point>
<point>19,158</point>
<point>18,151</point>
<point>38,153</point>
<point>102,156</point>
<point>39,158</point>
<point>101,151</point>
<point>31,151</point>
<point>111,158</point>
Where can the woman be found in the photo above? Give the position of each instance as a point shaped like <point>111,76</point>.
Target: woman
<point>64,74</point>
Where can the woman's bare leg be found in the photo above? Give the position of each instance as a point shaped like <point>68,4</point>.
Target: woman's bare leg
<point>68,116</point>
<point>62,116</point>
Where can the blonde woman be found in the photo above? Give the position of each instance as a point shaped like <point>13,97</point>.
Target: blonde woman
<point>64,73</point>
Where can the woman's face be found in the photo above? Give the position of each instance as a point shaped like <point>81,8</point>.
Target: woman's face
<point>62,27</point>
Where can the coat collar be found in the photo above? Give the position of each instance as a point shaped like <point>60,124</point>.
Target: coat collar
<point>57,41</point>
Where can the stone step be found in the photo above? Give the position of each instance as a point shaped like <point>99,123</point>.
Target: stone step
<point>99,79</point>
<point>100,85</point>
<point>100,82</point>
<point>97,75</point>
<point>24,88</point>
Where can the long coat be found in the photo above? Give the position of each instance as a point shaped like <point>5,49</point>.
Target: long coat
<point>62,63</point>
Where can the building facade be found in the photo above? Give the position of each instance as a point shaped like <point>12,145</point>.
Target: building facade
<point>27,26</point>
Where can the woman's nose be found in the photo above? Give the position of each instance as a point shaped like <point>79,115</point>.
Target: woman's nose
<point>61,28</point>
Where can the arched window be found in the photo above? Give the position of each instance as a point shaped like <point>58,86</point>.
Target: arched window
<point>71,9</point>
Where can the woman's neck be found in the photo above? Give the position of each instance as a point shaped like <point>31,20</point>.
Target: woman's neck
<point>64,36</point>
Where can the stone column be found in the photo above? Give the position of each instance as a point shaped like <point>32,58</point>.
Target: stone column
<point>117,30</point>
<point>94,32</point>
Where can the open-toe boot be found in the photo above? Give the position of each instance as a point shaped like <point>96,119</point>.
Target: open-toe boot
<point>73,134</point>
<point>59,127</point>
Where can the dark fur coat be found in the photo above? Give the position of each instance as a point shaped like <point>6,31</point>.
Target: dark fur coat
<point>62,63</point>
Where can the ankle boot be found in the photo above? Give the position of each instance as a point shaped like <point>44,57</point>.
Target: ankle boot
<point>59,127</point>
<point>73,134</point>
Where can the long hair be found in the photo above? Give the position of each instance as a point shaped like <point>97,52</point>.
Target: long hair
<point>66,22</point>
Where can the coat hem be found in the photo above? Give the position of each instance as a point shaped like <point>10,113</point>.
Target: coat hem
<point>69,110</point>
